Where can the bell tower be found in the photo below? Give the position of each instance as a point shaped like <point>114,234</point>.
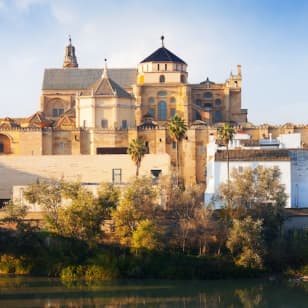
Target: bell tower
<point>70,59</point>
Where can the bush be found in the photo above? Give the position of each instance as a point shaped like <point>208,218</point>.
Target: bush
<point>88,273</point>
<point>96,272</point>
<point>10,264</point>
<point>72,273</point>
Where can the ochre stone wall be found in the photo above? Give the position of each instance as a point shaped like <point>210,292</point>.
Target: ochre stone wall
<point>41,142</point>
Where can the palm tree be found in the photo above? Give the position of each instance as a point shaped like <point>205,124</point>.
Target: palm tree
<point>177,130</point>
<point>137,149</point>
<point>226,134</point>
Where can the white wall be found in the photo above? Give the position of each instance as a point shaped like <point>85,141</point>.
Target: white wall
<point>290,141</point>
<point>299,178</point>
<point>218,174</point>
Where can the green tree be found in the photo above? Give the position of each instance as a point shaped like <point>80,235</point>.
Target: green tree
<point>137,149</point>
<point>226,134</point>
<point>49,195</point>
<point>256,192</point>
<point>70,209</point>
<point>108,197</point>
<point>146,236</point>
<point>246,243</point>
<point>183,208</point>
<point>139,202</point>
<point>204,231</point>
<point>82,217</point>
<point>177,130</point>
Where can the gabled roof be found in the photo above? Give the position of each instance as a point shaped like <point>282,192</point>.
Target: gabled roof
<point>81,79</point>
<point>37,120</point>
<point>107,87</point>
<point>66,121</point>
<point>162,54</point>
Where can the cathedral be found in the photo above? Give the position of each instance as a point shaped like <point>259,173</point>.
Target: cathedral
<point>99,111</point>
<point>121,98</point>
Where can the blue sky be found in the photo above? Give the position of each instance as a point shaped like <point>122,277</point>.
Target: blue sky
<point>268,38</point>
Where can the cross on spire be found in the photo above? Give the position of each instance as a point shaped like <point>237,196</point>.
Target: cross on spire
<point>162,40</point>
<point>105,73</point>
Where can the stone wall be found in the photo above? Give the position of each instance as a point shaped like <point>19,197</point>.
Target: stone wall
<point>23,170</point>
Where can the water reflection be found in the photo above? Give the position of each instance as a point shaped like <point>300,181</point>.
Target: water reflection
<point>41,292</point>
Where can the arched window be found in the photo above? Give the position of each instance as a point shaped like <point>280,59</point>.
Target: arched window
<point>207,95</point>
<point>57,112</point>
<point>162,111</point>
<point>162,93</point>
<point>183,79</point>
<point>218,102</point>
<point>173,100</point>
<point>162,78</point>
<point>207,105</point>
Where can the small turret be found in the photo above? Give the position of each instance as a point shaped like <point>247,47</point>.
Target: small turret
<point>239,70</point>
<point>70,59</point>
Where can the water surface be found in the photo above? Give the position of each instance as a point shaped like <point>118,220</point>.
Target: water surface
<point>42,292</point>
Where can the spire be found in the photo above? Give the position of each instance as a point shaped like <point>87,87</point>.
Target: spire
<point>162,41</point>
<point>105,72</point>
<point>70,59</point>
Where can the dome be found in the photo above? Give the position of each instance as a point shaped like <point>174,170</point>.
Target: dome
<point>162,54</point>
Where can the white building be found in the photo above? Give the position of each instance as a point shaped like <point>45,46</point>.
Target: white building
<point>283,152</point>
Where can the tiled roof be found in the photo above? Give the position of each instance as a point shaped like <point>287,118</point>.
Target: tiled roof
<point>253,155</point>
<point>81,79</point>
<point>162,54</point>
<point>108,87</point>
<point>37,120</point>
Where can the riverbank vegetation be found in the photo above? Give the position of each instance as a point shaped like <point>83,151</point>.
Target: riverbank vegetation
<point>158,230</point>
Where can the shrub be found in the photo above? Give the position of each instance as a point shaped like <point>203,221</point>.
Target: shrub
<point>96,272</point>
<point>10,264</point>
<point>72,273</point>
<point>88,273</point>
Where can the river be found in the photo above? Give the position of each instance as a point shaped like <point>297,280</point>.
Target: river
<point>41,292</point>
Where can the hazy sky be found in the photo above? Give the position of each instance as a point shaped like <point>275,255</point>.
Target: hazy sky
<point>268,37</point>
